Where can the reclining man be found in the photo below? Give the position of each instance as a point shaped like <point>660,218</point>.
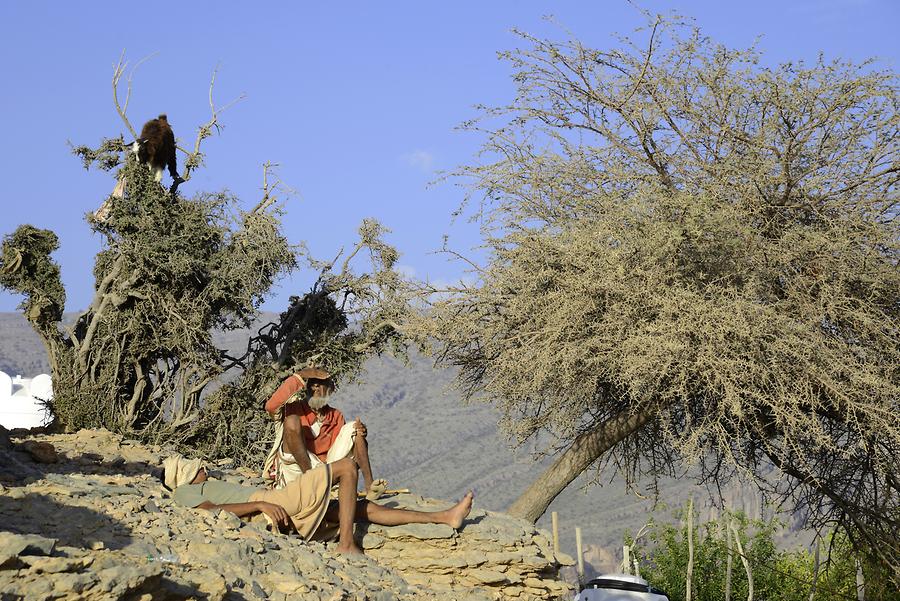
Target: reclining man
<point>311,432</point>
<point>303,504</point>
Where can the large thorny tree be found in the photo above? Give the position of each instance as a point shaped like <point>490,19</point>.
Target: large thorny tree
<point>692,258</point>
<point>141,358</point>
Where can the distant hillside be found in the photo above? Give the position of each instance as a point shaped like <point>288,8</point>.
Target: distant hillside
<point>423,437</point>
<point>21,351</point>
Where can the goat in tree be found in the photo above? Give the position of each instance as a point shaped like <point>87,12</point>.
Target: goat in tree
<point>156,148</point>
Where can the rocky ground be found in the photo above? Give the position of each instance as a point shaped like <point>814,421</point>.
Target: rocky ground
<point>83,516</point>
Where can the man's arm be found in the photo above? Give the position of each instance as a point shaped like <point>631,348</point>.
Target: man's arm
<point>293,438</point>
<point>276,512</point>
<point>284,392</point>
<point>291,385</point>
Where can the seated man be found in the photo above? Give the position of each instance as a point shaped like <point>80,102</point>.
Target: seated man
<point>312,433</point>
<point>303,504</point>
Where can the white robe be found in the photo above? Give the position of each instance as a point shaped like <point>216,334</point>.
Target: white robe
<point>281,468</point>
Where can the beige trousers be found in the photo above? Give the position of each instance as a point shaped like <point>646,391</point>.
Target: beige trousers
<point>305,499</point>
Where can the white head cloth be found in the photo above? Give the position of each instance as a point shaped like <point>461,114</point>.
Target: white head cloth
<point>180,470</point>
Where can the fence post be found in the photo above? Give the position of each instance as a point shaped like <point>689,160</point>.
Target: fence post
<point>690,538</point>
<point>554,520</point>
<point>815,580</point>
<point>860,583</point>
<point>580,552</point>
<point>626,559</point>
<point>728,562</point>
<point>740,549</point>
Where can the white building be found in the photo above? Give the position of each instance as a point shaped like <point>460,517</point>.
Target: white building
<point>23,400</point>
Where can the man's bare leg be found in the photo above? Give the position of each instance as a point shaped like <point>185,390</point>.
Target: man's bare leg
<point>361,454</point>
<point>388,516</point>
<point>345,472</point>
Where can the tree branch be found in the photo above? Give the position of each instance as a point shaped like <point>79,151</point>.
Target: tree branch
<point>195,158</point>
<point>118,71</point>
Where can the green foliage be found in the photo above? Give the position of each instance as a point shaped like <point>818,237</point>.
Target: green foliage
<point>107,156</point>
<point>777,574</point>
<point>344,319</point>
<point>28,269</point>
<point>173,269</point>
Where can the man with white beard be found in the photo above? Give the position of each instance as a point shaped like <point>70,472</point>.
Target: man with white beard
<point>312,433</point>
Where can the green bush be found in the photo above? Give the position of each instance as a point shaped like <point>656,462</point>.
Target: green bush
<point>783,575</point>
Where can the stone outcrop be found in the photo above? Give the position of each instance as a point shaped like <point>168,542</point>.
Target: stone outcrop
<point>492,555</point>
<point>94,523</point>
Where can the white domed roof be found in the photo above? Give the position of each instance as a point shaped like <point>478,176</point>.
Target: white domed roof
<point>18,407</point>
<point>42,387</point>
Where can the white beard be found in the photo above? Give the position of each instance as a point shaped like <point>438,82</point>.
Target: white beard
<point>317,402</point>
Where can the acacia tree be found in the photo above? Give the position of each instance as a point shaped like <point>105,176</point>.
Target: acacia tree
<point>141,358</point>
<point>691,258</point>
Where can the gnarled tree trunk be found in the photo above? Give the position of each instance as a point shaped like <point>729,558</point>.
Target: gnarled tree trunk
<point>586,449</point>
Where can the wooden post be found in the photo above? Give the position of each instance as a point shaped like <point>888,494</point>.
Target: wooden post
<point>860,582</point>
<point>690,537</point>
<point>580,552</point>
<point>637,568</point>
<point>554,520</point>
<point>626,559</point>
<point>815,580</point>
<point>740,550</point>
<point>728,562</point>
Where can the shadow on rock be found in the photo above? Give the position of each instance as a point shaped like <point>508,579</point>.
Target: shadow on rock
<point>93,463</point>
<point>71,525</point>
<point>18,466</point>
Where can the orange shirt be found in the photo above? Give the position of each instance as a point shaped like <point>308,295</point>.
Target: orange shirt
<point>330,423</point>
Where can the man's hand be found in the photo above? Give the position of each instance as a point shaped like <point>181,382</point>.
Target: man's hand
<point>360,428</point>
<point>275,512</point>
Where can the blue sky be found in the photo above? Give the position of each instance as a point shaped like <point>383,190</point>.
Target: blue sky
<point>356,101</point>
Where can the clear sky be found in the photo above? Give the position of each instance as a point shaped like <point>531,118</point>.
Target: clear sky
<point>356,101</point>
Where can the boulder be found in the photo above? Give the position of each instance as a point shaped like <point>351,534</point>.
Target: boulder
<point>26,544</point>
<point>41,452</point>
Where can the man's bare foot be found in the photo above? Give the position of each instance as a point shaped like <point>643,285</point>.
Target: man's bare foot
<point>375,489</point>
<point>458,513</point>
<point>350,549</point>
